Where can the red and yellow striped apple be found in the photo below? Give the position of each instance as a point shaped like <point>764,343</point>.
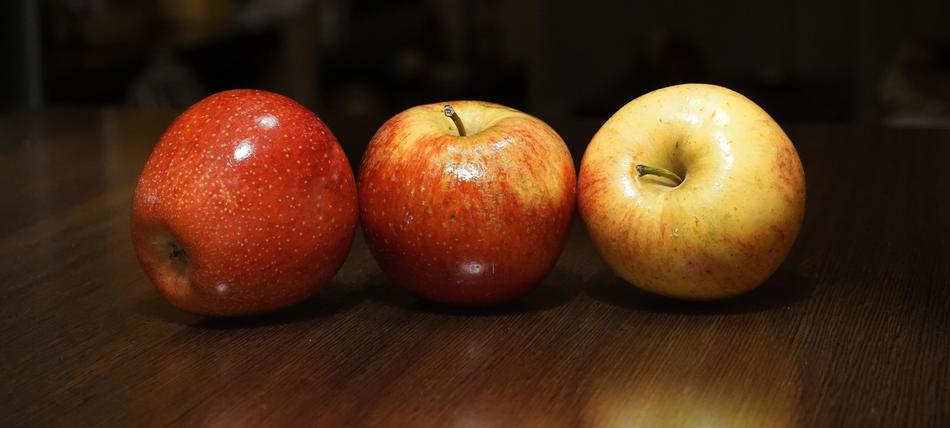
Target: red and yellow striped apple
<point>692,191</point>
<point>466,203</point>
<point>246,204</point>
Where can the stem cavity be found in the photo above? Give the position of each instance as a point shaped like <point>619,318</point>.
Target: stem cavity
<point>450,113</point>
<point>177,254</point>
<point>662,172</point>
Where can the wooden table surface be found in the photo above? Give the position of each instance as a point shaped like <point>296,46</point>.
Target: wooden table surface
<point>854,330</point>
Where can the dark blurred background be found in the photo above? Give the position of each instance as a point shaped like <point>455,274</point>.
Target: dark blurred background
<point>802,60</point>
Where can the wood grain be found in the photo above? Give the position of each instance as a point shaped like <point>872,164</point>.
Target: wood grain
<point>854,330</point>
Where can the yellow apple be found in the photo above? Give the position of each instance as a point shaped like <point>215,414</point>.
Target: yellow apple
<point>692,191</point>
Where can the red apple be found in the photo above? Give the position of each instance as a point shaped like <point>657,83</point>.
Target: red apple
<point>246,204</point>
<point>472,208</point>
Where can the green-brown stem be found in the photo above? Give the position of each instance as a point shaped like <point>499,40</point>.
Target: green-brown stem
<point>662,172</point>
<point>450,113</point>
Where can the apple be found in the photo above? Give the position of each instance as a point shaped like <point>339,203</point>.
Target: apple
<point>466,203</point>
<point>247,204</point>
<point>693,192</point>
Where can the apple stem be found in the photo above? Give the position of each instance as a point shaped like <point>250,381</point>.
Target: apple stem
<point>662,172</point>
<point>450,113</point>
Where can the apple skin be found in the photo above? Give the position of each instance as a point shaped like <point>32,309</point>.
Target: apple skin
<point>473,220</point>
<point>727,227</point>
<point>247,204</point>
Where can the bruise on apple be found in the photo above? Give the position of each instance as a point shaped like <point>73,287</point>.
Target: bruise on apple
<point>791,174</point>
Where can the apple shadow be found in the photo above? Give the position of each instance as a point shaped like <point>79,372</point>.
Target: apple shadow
<point>783,289</point>
<point>155,307</point>
<point>558,288</point>
<point>331,299</point>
